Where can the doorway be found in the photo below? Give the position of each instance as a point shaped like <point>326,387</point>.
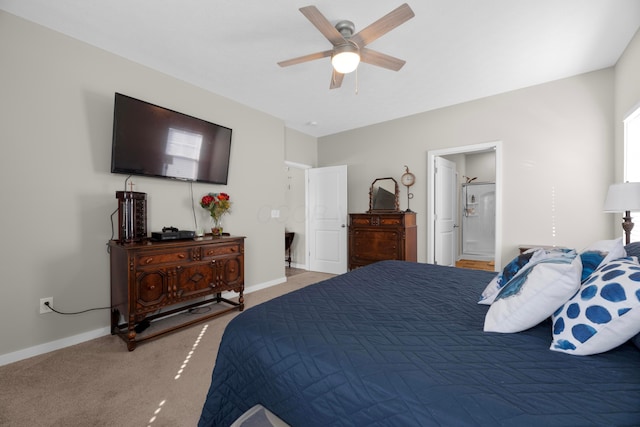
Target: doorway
<point>315,218</point>
<point>440,241</point>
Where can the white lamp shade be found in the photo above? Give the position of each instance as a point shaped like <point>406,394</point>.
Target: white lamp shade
<point>345,58</point>
<point>623,197</point>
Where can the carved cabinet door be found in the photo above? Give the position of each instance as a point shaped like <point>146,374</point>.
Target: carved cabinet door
<point>195,279</point>
<point>152,289</point>
<point>229,274</point>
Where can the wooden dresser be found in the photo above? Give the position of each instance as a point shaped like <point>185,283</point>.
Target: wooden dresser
<point>382,236</point>
<point>152,280</point>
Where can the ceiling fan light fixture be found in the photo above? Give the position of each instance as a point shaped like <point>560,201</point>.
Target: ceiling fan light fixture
<point>345,58</point>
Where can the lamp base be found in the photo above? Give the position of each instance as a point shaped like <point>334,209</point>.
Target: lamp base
<point>627,226</point>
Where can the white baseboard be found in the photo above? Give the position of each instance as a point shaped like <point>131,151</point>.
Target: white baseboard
<point>39,349</point>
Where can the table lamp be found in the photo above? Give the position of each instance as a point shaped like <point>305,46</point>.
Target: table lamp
<point>625,198</point>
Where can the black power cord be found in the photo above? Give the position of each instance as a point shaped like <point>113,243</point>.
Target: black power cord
<point>113,213</point>
<point>193,205</point>
<point>76,312</point>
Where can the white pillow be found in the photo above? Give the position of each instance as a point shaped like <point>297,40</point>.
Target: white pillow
<point>604,314</point>
<point>510,270</point>
<point>535,293</point>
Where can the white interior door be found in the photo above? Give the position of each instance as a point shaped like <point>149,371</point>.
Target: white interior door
<point>445,212</point>
<point>327,219</point>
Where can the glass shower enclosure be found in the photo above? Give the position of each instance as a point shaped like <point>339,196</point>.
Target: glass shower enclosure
<point>478,229</point>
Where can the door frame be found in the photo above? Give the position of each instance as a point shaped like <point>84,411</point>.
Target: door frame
<point>467,149</point>
<point>303,167</point>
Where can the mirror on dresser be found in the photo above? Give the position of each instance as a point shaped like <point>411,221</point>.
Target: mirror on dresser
<point>383,195</point>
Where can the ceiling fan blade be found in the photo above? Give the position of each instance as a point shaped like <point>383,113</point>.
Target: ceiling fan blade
<point>383,25</point>
<point>305,58</point>
<point>380,59</point>
<point>323,25</point>
<point>336,80</point>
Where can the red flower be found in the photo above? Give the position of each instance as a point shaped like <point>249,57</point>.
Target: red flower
<point>206,200</point>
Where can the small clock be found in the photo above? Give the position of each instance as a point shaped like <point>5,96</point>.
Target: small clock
<point>408,179</point>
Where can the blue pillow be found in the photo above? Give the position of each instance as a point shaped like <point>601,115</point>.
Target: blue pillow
<point>633,249</point>
<point>636,340</point>
<point>603,314</point>
<point>590,261</point>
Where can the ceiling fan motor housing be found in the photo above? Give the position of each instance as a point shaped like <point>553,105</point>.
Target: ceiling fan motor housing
<point>346,28</point>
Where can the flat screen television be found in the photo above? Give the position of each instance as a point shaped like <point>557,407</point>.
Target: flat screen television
<point>149,140</point>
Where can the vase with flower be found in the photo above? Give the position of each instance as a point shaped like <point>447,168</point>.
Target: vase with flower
<point>218,205</point>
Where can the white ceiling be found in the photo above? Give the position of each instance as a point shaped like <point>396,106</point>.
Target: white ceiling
<point>456,50</point>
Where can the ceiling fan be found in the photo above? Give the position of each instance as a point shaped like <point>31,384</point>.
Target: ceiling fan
<point>349,48</point>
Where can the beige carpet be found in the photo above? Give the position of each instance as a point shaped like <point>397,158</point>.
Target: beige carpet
<point>99,383</point>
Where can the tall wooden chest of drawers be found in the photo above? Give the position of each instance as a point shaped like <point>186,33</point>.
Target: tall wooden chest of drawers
<point>382,236</point>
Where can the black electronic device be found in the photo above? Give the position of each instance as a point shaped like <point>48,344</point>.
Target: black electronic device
<point>132,216</point>
<point>154,141</point>
<point>172,233</point>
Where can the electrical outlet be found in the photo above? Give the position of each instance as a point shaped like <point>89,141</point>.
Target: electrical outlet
<point>44,308</point>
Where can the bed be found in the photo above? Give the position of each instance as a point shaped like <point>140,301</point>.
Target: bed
<point>402,344</point>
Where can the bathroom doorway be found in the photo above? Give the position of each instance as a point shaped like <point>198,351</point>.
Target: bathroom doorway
<point>464,175</point>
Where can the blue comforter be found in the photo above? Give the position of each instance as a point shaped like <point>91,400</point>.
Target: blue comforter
<point>401,344</point>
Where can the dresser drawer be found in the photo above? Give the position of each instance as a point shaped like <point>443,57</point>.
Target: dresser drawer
<point>377,220</point>
<point>163,257</point>
<point>381,245</point>
<point>213,251</point>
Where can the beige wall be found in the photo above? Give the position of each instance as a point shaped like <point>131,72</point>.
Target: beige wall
<point>301,148</point>
<point>482,166</point>
<point>557,157</point>
<point>56,112</point>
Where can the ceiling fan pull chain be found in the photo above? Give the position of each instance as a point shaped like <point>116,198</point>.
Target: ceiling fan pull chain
<point>356,81</point>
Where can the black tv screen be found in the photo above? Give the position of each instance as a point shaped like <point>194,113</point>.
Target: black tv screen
<point>150,140</point>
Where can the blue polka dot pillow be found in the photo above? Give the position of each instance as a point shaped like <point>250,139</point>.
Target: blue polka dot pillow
<point>603,314</point>
<point>535,292</point>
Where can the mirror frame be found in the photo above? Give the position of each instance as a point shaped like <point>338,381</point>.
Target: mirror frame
<point>373,190</point>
